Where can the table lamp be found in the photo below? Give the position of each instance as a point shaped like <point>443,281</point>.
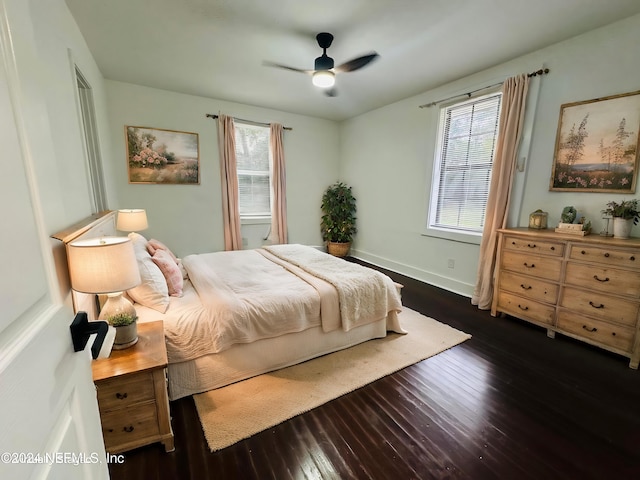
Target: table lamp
<point>132,220</point>
<point>108,266</point>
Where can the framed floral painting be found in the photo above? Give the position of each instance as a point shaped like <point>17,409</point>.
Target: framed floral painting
<point>597,145</point>
<point>155,155</point>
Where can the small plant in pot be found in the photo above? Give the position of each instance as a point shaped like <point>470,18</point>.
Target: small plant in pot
<point>625,214</point>
<point>338,224</point>
<point>126,330</point>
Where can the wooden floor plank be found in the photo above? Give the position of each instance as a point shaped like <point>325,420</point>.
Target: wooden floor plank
<point>508,403</point>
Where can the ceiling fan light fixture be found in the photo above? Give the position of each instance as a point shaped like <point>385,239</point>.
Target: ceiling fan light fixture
<point>324,79</point>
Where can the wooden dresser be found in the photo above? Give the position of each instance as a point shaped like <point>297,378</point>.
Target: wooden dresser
<point>586,287</point>
<point>132,393</point>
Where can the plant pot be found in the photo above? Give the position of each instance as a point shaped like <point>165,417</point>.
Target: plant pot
<point>126,336</point>
<point>622,227</point>
<point>338,249</point>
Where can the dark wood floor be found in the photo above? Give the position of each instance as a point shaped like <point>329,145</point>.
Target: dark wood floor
<point>509,403</point>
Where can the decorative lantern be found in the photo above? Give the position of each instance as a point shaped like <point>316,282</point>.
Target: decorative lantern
<point>538,220</point>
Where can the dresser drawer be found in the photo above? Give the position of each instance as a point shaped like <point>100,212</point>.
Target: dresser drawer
<point>536,265</point>
<point>525,308</point>
<point>603,279</point>
<point>534,245</point>
<point>529,287</point>
<point>128,425</point>
<point>600,305</point>
<point>608,256</point>
<point>596,331</point>
<point>119,392</point>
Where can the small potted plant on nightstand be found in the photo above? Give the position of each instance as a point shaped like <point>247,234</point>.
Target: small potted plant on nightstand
<point>625,215</point>
<point>338,223</point>
<point>126,330</point>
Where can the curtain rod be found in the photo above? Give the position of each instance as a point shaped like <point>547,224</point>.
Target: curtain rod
<point>542,71</point>
<point>250,122</point>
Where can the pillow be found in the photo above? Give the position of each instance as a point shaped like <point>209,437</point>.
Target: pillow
<point>153,245</point>
<point>153,291</point>
<point>171,272</point>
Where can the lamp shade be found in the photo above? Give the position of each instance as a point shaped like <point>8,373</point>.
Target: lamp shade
<point>132,220</point>
<point>103,265</point>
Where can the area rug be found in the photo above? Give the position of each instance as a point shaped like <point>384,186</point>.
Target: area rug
<point>238,411</point>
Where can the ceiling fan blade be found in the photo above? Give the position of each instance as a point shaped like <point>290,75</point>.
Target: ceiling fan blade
<point>331,92</point>
<point>293,69</point>
<point>356,63</point>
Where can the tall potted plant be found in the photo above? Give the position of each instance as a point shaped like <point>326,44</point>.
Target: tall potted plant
<point>338,224</point>
<point>625,215</point>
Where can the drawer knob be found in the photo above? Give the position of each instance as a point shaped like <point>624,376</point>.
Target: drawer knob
<point>121,396</point>
<point>632,258</point>
<point>525,287</point>
<point>606,255</point>
<point>606,279</point>
<point>525,308</point>
<point>531,246</point>
<point>596,306</point>
<point>583,252</point>
<point>128,428</point>
<point>553,248</point>
<point>529,266</point>
<point>594,329</point>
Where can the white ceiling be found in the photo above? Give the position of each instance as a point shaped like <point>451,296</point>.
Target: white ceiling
<point>215,48</point>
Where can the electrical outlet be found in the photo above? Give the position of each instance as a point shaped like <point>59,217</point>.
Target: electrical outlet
<point>451,263</point>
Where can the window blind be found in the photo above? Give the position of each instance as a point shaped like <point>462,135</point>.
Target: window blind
<point>254,172</point>
<point>469,131</point>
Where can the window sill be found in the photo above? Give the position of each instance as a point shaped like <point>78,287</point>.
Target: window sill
<point>255,220</point>
<point>471,238</point>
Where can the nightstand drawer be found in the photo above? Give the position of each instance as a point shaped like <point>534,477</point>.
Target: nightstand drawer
<point>120,392</point>
<point>130,425</point>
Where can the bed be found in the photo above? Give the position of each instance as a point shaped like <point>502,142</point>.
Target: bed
<point>229,316</point>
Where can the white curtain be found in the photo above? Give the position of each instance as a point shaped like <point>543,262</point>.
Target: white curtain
<point>514,95</point>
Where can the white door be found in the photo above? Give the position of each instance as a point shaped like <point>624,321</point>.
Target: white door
<point>49,421</point>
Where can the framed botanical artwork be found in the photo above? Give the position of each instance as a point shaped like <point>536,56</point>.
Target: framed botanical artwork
<point>597,145</point>
<point>155,155</point>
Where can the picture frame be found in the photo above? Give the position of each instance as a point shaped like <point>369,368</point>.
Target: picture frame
<point>160,156</point>
<point>597,145</point>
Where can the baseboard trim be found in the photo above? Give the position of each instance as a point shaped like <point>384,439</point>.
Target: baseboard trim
<point>453,285</point>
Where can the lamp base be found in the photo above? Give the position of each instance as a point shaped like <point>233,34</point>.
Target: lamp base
<point>117,310</point>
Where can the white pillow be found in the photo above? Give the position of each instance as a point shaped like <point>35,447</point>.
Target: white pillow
<point>152,291</point>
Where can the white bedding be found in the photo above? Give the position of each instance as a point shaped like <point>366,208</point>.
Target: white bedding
<point>240,297</point>
<point>236,299</point>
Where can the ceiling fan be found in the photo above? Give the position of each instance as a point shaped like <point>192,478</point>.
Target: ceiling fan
<point>323,75</point>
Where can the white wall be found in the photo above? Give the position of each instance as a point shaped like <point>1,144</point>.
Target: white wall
<point>387,154</point>
<point>60,165</point>
<point>188,218</point>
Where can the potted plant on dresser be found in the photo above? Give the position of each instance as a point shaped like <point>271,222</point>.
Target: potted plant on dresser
<point>625,215</point>
<point>338,224</point>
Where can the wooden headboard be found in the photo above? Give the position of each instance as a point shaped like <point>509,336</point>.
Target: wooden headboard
<point>101,224</point>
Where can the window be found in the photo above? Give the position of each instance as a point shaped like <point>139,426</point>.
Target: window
<point>254,170</point>
<point>462,167</point>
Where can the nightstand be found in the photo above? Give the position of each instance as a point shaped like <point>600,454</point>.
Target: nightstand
<point>132,393</point>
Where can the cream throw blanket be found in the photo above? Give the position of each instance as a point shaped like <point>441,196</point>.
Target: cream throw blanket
<point>365,295</point>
